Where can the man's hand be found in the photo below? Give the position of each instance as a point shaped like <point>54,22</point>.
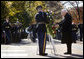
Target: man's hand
<point>56,25</point>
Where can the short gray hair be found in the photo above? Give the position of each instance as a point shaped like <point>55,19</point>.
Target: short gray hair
<point>64,10</point>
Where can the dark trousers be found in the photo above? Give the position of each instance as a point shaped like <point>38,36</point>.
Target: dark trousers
<point>34,37</point>
<point>74,35</point>
<point>8,36</point>
<point>42,42</point>
<point>81,35</point>
<point>17,36</point>
<point>69,45</point>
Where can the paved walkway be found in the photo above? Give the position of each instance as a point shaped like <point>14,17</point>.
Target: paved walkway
<point>27,49</point>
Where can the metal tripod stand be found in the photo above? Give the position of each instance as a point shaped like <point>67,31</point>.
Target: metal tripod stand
<point>52,44</point>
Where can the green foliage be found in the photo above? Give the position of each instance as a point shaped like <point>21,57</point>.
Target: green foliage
<point>25,11</point>
<point>4,10</point>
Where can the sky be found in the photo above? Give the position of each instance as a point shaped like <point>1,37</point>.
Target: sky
<point>67,5</point>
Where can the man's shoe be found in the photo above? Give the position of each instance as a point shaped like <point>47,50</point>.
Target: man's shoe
<point>67,53</point>
<point>81,40</point>
<point>43,54</point>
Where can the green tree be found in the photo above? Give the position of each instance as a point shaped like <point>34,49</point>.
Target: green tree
<point>4,10</point>
<point>25,11</point>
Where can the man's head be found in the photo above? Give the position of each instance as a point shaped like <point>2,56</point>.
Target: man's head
<point>63,12</point>
<point>39,8</point>
<point>7,19</point>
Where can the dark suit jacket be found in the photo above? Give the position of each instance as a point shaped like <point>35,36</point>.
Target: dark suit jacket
<point>66,24</point>
<point>66,29</point>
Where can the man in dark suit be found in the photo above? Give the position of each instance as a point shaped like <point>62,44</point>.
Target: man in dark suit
<point>81,31</point>
<point>7,28</point>
<point>74,31</point>
<point>32,28</point>
<point>66,29</point>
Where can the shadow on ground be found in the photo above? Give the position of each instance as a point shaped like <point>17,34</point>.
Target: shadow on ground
<point>70,56</point>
